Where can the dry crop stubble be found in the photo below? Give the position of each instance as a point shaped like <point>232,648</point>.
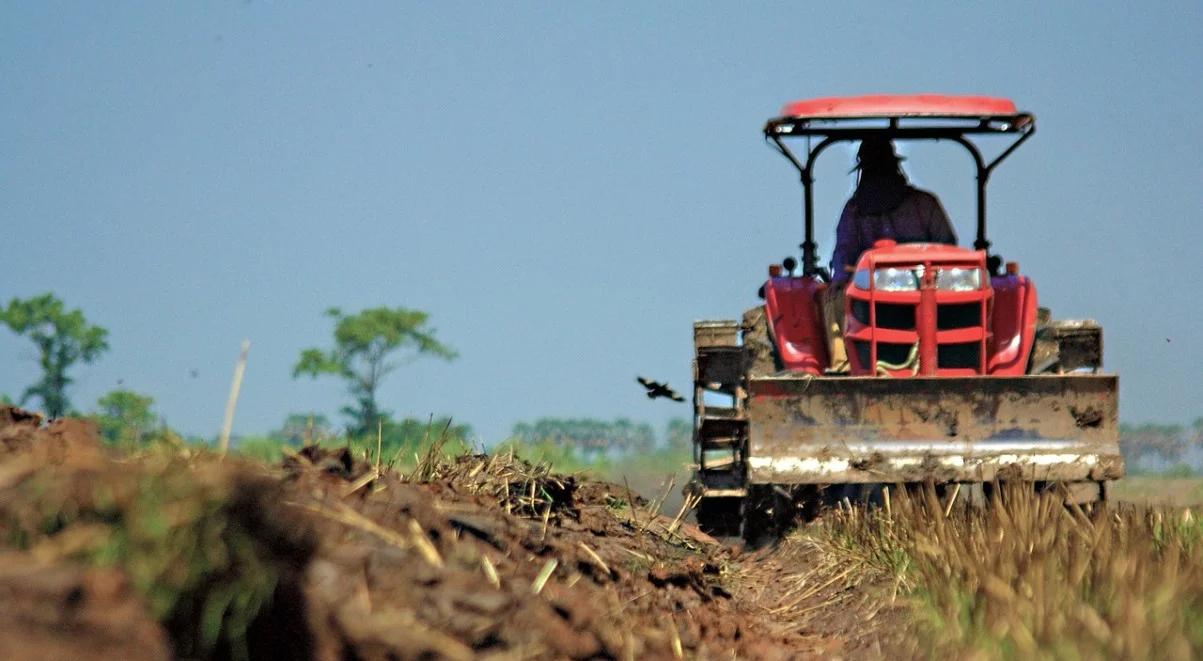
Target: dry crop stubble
<point>1025,575</point>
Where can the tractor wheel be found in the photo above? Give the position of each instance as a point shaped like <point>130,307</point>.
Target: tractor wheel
<point>768,515</point>
<point>720,517</point>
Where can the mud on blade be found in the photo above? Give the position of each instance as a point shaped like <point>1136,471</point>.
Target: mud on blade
<point>824,430</point>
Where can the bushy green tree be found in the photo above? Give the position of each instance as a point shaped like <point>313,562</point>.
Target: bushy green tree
<point>368,346</point>
<point>126,418</point>
<point>63,339</point>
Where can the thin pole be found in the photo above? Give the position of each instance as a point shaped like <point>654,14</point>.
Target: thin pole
<point>232,403</point>
<point>379,442</point>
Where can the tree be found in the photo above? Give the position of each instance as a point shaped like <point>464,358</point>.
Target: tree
<point>365,347</point>
<point>125,418</point>
<point>63,339</point>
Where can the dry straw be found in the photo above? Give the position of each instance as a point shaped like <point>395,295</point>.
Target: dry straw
<point>1023,576</point>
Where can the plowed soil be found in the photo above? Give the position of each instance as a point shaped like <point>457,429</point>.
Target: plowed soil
<point>180,553</point>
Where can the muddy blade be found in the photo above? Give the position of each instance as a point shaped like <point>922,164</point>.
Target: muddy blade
<point>824,430</point>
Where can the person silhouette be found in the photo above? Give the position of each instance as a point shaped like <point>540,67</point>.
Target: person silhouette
<point>885,206</point>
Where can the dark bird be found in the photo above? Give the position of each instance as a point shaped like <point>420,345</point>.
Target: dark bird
<point>656,389</point>
<point>194,373</point>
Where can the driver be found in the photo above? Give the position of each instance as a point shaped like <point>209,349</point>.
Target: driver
<point>884,206</point>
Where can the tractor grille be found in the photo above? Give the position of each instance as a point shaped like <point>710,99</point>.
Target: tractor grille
<point>958,315</point>
<point>860,311</point>
<point>892,353</point>
<point>895,316</point>
<point>923,331</point>
<point>960,355</point>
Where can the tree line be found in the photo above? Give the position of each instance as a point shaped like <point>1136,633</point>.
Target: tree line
<point>367,347</point>
<point>594,437</point>
<point>1152,443</point>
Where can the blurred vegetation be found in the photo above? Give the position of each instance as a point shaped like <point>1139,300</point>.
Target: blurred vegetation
<point>587,436</point>
<point>400,442</point>
<point>300,428</point>
<point>639,457</point>
<point>127,420</point>
<point>563,459</point>
<point>619,451</point>
<point>570,446</point>
<point>1171,488</point>
<point>63,339</point>
<point>1156,444</point>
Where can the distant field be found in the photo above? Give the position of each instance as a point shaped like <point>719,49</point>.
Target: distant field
<point>1158,490</point>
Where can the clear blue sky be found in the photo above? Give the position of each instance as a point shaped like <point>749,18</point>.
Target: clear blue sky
<point>565,187</point>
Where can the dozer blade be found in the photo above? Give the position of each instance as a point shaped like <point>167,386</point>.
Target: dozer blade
<point>830,430</point>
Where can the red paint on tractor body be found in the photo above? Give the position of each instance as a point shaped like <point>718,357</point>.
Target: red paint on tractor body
<point>795,317</point>
<point>1015,309</point>
<point>900,105</point>
<point>927,329</point>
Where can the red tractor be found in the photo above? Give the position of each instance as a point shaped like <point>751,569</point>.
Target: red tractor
<point>956,377</point>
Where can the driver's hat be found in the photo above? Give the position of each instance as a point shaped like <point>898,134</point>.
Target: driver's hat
<point>876,152</point>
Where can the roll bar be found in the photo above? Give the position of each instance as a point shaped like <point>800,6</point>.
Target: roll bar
<point>919,127</point>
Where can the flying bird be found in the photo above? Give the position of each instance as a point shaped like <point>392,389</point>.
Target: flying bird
<point>656,389</point>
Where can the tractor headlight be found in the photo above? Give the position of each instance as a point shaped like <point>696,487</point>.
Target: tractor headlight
<point>955,279</point>
<point>892,279</point>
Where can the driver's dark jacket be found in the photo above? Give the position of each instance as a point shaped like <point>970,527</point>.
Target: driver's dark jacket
<point>918,218</point>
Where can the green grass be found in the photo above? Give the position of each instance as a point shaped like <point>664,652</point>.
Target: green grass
<point>400,452</point>
<point>267,449</point>
<point>1164,489</point>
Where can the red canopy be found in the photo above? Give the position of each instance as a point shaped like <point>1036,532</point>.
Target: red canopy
<point>900,105</point>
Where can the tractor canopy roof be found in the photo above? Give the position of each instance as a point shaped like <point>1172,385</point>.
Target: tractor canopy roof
<point>907,115</point>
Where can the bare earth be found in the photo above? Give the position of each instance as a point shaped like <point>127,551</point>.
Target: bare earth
<point>162,554</point>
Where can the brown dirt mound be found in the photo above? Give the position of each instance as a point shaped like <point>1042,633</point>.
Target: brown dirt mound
<point>495,556</point>
<point>61,611</point>
<point>208,549</point>
<point>328,557</point>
